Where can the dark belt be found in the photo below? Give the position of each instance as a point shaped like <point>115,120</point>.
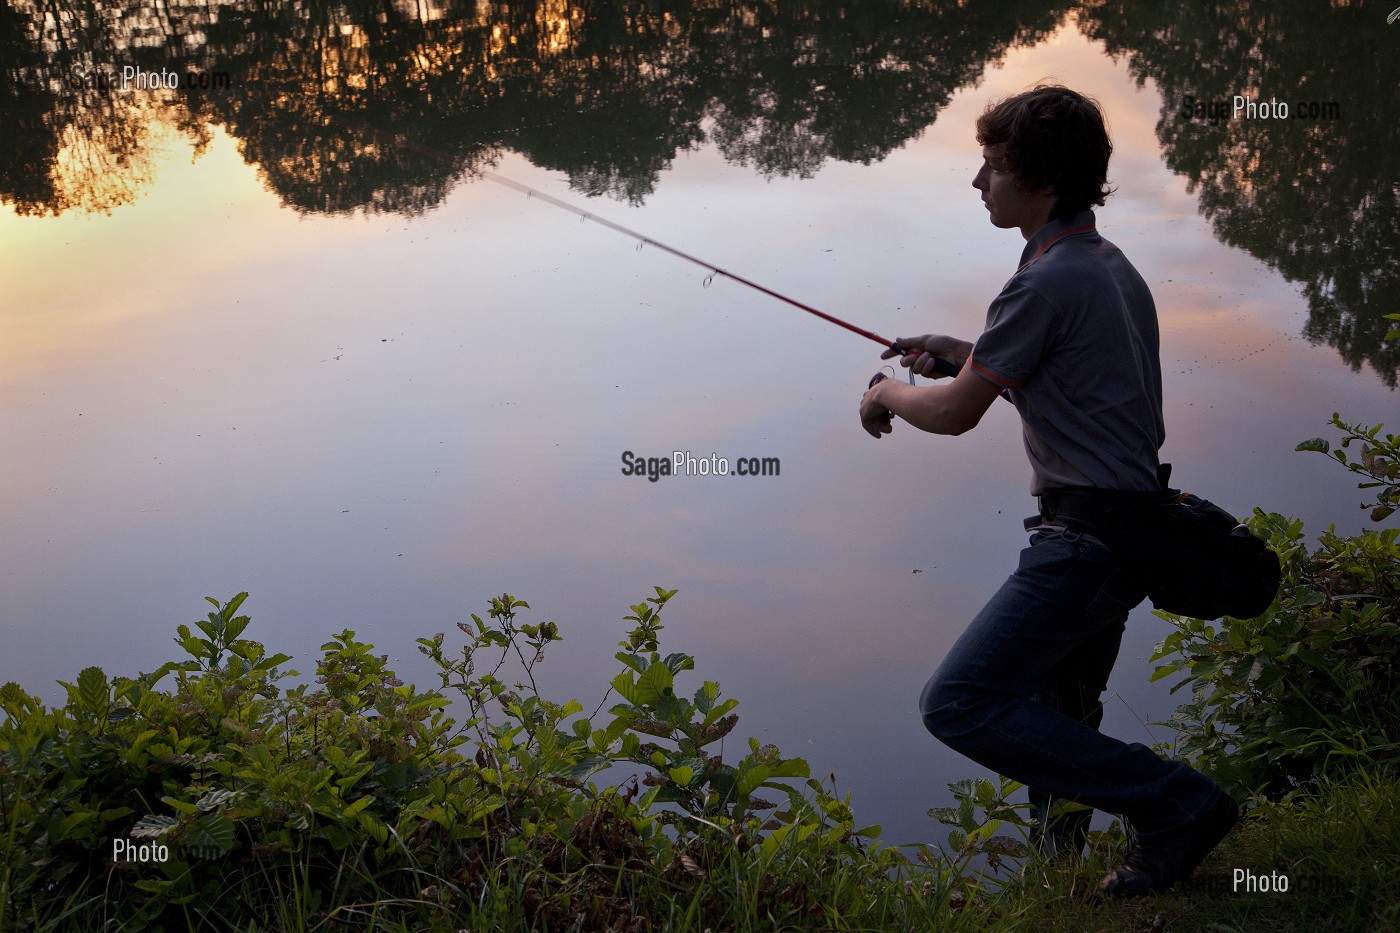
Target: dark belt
<point>1102,512</point>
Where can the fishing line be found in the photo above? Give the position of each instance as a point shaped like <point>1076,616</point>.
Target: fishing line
<point>940,365</point>
<point>1132,712</point>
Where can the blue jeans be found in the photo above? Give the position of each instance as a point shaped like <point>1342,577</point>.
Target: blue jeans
<point>1019,691</point>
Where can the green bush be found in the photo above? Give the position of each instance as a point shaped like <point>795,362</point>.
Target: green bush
<point>360,798</point>
<point>1377,459</point>
<point>1309,686</point>
<point>1281,699</point>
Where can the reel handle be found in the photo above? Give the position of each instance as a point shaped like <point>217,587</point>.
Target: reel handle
<point>880,377</point>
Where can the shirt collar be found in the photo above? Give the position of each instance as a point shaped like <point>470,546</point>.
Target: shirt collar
<point>1042,239</point>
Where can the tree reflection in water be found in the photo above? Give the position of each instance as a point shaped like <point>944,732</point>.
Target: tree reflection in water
<point>609,93</point>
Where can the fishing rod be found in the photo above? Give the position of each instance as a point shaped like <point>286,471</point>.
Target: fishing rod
<point>940,365</point>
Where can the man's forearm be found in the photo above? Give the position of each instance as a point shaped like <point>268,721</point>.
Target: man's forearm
<point>939,409</point>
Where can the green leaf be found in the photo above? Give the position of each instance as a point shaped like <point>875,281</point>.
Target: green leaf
<point>798,831</point>
<point>1314,443</point>
<point>648,689</point>
<point>753,776</point>
<point>791,767</point>
<point>678,662</point>
<point>634,661</point>
<point>1164,670</point>
<point>152,826</point>
<point>180,805</point>
<point>626,686</point>
<point>16,703</point>
<point>232,605</point>
<point>157,886</point>
<point>210,836</point>
<point>71,822</point>
<point>337,836</point>
<point>370,824</point>
<point>93,690</point>
<point>357,806</point>
<point>584,768</point>
<point>716,712</point>
<point>234,628</point>
<point>214,799</point>
<point>1314,658</point>
<point>669,793</point>
<point>706,695</point>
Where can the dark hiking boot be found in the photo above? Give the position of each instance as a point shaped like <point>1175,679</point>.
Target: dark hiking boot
<point>1160,861</point>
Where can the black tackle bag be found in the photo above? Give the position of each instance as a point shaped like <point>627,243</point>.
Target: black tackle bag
<point>1199,561</point>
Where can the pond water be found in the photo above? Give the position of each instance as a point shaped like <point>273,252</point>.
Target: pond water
<point>247,342</point>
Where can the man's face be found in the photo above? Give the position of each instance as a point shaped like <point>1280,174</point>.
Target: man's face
<point>1008,202</point>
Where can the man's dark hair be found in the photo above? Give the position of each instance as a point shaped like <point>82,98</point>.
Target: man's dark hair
<point>1052,137</point>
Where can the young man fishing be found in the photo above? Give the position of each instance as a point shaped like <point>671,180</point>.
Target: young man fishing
<point>1072,341</point>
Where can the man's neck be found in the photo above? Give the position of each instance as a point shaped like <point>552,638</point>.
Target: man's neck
<point>1030,230</point>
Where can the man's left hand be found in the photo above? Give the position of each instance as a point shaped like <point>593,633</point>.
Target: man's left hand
<point>874,417</point>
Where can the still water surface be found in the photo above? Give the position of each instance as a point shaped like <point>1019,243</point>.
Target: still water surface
<point>231,366</point>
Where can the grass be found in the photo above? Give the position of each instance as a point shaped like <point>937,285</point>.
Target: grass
<point>1339,846</point>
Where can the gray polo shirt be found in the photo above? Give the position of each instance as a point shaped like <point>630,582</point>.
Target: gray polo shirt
<point>1073,339</point>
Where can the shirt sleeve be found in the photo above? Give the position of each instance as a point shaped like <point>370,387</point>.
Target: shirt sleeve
<point>1020,333</point>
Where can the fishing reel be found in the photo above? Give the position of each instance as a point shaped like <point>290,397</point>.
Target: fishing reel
<point>880,377</point>
<point>941,366</point>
